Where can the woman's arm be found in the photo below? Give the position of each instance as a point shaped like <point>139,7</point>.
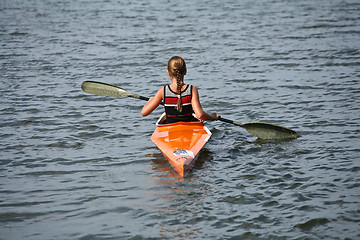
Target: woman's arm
<point>199,112</point>
<point>153,103</point>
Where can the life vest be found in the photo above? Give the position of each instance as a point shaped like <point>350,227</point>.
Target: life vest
<point>171,99</point>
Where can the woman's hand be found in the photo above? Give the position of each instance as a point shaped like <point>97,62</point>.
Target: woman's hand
<point>215,116</point>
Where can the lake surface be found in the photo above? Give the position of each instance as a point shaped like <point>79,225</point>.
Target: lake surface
<point>79,166</point>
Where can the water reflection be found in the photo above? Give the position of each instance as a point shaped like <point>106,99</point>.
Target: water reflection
<point>185,197</point>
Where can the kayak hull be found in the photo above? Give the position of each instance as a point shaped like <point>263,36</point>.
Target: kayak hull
<point>181,143</point>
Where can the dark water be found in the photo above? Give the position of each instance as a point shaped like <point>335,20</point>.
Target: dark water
<point>76,166</point>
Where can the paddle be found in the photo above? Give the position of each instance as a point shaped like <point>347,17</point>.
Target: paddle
<point>259,129</point>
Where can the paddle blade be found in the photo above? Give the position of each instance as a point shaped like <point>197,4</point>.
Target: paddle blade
<point>104,89</point>
<point>269,131</point>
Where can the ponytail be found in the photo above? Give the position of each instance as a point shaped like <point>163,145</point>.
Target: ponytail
<point>177,68</point>
<point>179,86</point>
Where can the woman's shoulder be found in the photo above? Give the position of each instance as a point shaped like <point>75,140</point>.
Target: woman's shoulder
<point>161,91</point>
<point>193,87</point>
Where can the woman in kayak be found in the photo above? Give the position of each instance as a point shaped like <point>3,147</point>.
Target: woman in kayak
<point>181,100</point>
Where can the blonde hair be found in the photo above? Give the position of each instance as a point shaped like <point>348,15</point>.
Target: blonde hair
<point>177,69</point>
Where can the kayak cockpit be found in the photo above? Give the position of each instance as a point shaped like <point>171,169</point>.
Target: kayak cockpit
<point>162,120</point>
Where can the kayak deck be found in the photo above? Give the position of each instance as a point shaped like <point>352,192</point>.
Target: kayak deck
<point>181,143</point>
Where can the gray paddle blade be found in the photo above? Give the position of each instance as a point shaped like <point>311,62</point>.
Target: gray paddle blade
<point>269,131</point>
<point>104,89</point>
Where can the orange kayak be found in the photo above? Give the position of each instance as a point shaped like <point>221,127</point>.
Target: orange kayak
<point>181,143</point>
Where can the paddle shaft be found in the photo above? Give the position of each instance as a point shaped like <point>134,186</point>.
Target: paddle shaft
<point>147,99</point>
<point>230,121</point>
